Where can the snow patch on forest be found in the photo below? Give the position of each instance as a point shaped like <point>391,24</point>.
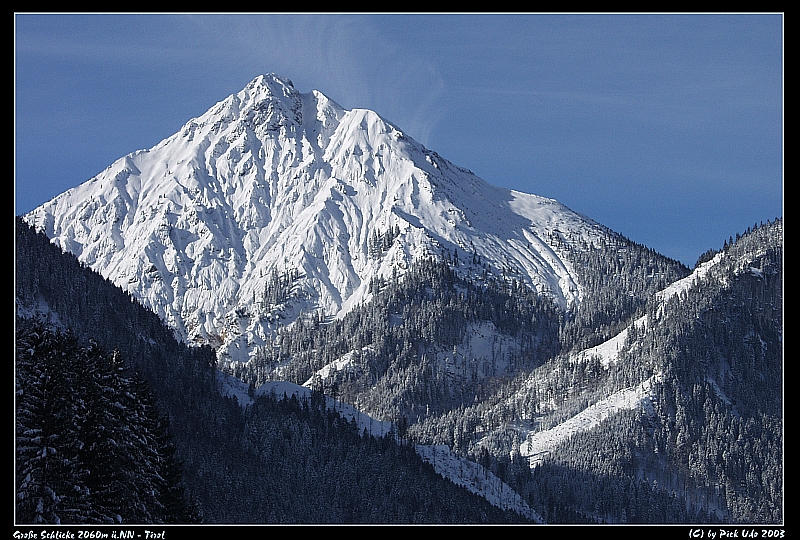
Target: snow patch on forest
<point>233,387</point>
<point>538,445</point>
<point>683,285</point>
<point>340,364</point>
<point>484,352</point>
<point>39,309</point>
<point>468,474</point>
<point>608,351</point>
<point>476,479</point>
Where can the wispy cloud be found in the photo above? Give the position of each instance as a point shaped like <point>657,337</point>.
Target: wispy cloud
<point>345,56</point>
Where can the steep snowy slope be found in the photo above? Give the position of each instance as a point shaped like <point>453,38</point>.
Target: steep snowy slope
<point>275,203</point>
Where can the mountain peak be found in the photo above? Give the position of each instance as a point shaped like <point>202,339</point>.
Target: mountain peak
<point>265,105</point>
<point>271,83</point>
<point>273,182</point>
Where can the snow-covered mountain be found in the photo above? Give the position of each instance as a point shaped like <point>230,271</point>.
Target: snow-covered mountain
<point>623,375</point>
<point>275,203</point>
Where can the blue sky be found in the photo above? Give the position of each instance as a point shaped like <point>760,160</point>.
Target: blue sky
<point>667,128</point>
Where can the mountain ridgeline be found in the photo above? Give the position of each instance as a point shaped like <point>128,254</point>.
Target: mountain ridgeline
<point>281,237</point>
